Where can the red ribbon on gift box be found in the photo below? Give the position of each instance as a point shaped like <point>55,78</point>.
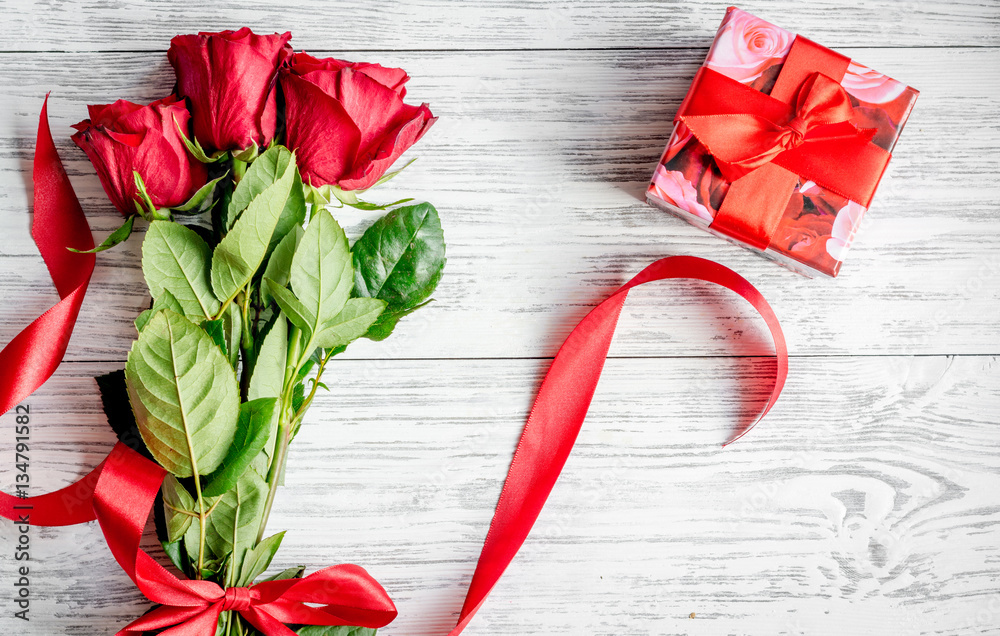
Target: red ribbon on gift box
<point>120,492</point>
<point>763,144</point>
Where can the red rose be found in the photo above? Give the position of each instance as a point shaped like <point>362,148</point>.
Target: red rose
<point>698,167</point>
<point>347,121</point>
<point>805,238</point>
<point>124,137</point>
<point>229,78</point>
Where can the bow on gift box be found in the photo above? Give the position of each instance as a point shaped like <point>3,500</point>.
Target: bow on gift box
<point>763,144</point>
<point>120,492</point>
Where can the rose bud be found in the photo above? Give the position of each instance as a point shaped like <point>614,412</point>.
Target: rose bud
<point>123,138</point>
<point>229,78</point>
<point>347,121</point>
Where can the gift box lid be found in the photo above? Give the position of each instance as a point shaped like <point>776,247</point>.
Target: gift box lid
<point>818,223</point>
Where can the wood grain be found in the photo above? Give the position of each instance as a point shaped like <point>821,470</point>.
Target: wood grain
<point>538,167</point>
<point>864,504</point>
<point>489,24</point>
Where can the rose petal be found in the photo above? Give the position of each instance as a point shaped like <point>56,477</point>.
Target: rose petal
<point>375,108</point>
<point>322,72</point>
<point>108,159</point>
<point>321,132</point>
<point>392,78</point>
<point>369,168</point>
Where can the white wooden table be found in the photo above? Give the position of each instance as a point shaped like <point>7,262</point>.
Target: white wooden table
<point>867,503</point>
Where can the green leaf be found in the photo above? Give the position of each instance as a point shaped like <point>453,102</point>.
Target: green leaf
<point>294,214</point>
<point>232,526</point>
<point>178,504</point>
<point>387,321</point>
<point>322,275</point>
<point>195,148</point>
<point>262,462</point>
<point>176,259</point>
<point>144,204</point>
<point>257,420</point>
<point>332,194</point>
<point>269,372</point>
<point>369,206</point>
<point>116,237</point>
<point>354,320</point>
<point>184,395</point>
<point>279,265</point>
<point>399,259</point>
<point>232,328</point>
<point>291,306</point>
<point>291,573</point>
<point>242,250</point>
<point>213,564</point>
<point>217,333</point>
<point>202,199</point>
<point>298,397</point>
<point>335,630</point>
<point>178,556</point>
<point>191,542</point>
<point>262,174</point>
<point>259,558</point>
<point>166,300</point>
<point>249,153</point>
<point>320,196</point>
<point>391,175</point>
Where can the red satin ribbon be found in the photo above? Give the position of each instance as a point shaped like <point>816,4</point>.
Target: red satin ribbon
<point>33,355</point>
<point>763,143</point>
<point>561,407</point>
<point>121,491</point>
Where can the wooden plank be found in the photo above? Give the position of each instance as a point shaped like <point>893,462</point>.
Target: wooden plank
<point>865,504</point>
<point>438,24</point>
<point>538,166</point>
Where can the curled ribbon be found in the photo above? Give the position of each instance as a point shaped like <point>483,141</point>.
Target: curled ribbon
<point>561,407</point>
<point>33,355</point>
<point>763,144</point>
<point>121,491</point>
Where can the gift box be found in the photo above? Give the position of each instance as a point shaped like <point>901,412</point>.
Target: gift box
<point>780,144</point>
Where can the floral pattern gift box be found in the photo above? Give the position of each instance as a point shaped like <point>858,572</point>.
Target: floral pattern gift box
<point>780,144</point>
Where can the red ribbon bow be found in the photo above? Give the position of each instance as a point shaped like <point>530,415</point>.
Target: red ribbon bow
<point>763,144</point>
<point>270,604</point>
<point>122,500</point>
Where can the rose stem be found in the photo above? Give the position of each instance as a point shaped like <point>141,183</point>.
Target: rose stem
<point>278,461</point>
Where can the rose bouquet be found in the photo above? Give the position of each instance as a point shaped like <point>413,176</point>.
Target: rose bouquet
<point>255,286</point>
